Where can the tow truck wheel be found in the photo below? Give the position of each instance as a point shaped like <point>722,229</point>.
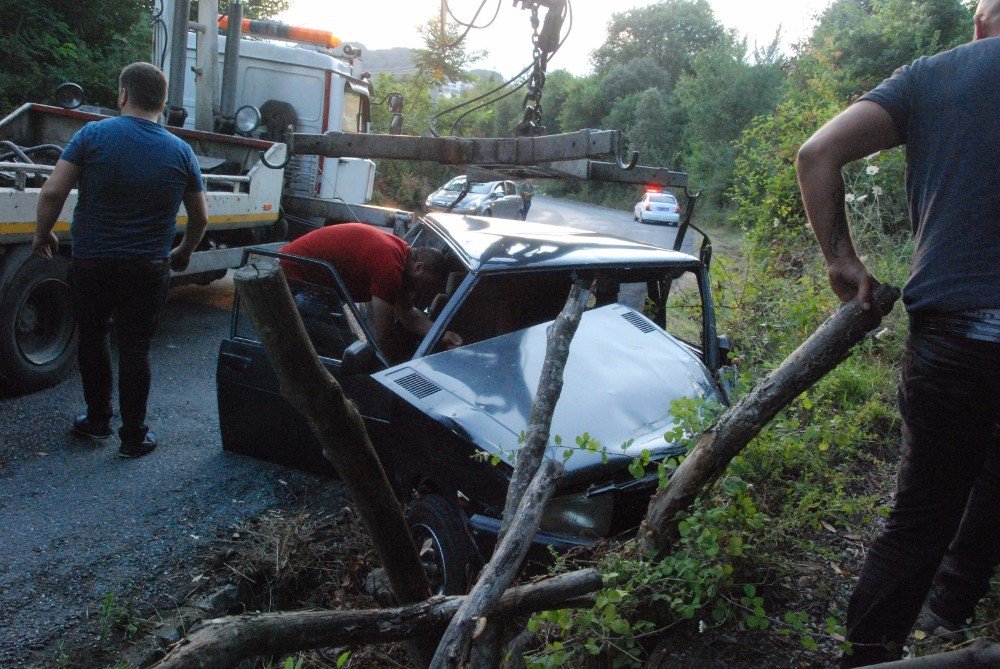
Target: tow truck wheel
<point>444,544</point>
<point>38,335</point>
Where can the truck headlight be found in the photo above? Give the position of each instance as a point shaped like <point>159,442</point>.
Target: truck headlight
<point>247,119</point>
<point>578,515</point>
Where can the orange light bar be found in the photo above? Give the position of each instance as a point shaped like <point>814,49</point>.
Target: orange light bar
<point>284,31</point>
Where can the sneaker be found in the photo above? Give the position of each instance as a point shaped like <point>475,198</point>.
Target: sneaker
<point>139,448</point>
<point>91,429</point>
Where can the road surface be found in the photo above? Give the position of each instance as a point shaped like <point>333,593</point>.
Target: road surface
<point>78,523</point>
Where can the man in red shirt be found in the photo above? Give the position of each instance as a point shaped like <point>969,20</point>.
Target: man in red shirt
<point>375,266</point>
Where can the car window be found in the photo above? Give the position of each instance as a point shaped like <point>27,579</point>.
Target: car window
<point>510,188</point>
<point>669,199</point>
<point>456,184</point>
<point>503,303</point>
<point>331,326</point>
<point>499,189</point>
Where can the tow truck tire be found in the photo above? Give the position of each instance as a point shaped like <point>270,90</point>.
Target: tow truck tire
<point>38,334</point>
<point>445,544</point>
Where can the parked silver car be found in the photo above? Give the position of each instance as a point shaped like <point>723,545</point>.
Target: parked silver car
<point>492,198</point>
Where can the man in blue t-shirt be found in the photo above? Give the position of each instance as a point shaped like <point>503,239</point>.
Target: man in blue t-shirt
<point>944,527</point>
<point>132,176</point>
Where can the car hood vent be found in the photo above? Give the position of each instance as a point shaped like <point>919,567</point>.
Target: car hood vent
<point>637,321</point>
<point>418,385</point>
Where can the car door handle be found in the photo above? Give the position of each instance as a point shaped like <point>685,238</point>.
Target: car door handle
<point>238,362</point>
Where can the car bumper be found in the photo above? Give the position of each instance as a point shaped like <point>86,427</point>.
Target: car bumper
<point>672,218</point>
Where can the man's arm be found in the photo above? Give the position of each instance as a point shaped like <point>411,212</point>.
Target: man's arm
<point>858,131</point>
<point>197,213</point>
<point>412,319</point>
<point>51,199</point>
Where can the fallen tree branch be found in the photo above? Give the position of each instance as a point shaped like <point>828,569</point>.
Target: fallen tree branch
<point>819,354</point>
<point>550,384</point>
<point>498,573</point>
<point>983,654</point>
<point>224,642</point>
<point>338,426</point>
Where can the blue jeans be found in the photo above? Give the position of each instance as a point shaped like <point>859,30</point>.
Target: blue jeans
<point>946,497</point>
<point>133,292</point>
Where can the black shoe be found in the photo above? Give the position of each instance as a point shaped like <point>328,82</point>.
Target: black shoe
<point>137,449</point>
<point>91,429</point>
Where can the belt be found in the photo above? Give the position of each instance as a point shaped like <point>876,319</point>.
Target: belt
<point>981,324</point>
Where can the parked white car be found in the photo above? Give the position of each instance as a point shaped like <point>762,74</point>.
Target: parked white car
<point>658,207</point>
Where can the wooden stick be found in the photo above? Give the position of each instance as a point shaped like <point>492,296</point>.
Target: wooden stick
<point>498,573</point>
<point>983,654</point>
<point>224,642</point>
<point>337,424</point>
<point>819,354</point>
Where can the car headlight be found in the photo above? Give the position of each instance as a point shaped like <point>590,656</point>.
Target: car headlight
<point>578,515</point>
<point>468,204</point>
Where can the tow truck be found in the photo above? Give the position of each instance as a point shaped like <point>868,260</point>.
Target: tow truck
<point>236,125</point>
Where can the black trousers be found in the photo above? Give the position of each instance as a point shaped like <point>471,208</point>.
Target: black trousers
<point>946,497</point>
<point>132,292</point>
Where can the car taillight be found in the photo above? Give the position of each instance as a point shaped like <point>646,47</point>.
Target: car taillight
<point>649,207</point>
<point>677,209</point>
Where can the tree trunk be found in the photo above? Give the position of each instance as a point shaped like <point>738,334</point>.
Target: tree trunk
<point>453,650</point>
<point>819,354</point>
<point>337,424</point>
<point>983,654</point>
<point>224,642</point>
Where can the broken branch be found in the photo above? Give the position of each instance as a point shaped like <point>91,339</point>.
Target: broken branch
<point>819,354</point>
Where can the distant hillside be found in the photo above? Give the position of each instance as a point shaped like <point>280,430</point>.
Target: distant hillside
<point>397,61</point>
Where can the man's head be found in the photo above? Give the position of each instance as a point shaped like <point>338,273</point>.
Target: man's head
<point>987,19</point>
<point>426,272</point>
<point>143,86</point>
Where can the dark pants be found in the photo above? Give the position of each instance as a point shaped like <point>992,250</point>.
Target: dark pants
<point>525,206</point>
<point>133,292</point>
<point>949,399</point>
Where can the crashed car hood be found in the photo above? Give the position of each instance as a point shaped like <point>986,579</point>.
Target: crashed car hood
<point>620,378</point>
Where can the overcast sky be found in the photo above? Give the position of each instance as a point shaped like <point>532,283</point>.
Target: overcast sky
<point>380,24</point>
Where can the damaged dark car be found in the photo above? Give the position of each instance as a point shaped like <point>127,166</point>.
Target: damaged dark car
<point>447,423</point>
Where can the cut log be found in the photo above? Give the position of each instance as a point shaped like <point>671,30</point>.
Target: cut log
<point>224,642</point>
<point>819,354</point>
<point>337,424</point>
<point>983,654</point>
<point>498,573</point>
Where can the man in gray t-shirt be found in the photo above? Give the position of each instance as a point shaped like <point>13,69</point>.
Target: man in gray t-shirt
<point>944,526</point>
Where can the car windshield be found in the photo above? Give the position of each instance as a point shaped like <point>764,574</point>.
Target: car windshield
<point>662,198</point>
<point>481,188</point>
<point>458,183</point>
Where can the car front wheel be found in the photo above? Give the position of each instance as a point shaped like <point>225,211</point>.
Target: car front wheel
<point>446,548</point>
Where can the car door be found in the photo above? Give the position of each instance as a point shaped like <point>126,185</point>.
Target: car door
<point>511,200</point>
<point>254,417</point>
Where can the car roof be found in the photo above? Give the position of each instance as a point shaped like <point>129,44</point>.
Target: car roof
<point>495,244</point>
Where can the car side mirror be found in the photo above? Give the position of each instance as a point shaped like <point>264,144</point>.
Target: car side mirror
<point>725,349</point>
<point>359,358</point>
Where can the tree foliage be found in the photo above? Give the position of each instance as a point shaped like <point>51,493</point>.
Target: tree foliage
<point>46,42</point>
<point>445,56</point>
<point>670,33</point>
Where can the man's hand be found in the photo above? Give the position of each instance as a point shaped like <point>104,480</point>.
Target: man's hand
<point>179,259</point>
<point>451,339</point>
<point>45,245</point>
<point>850,278</point>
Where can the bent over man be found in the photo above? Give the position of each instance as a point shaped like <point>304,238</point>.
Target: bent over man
<point>132,177</point>
<point>375,266</point>
<point>946,110</point>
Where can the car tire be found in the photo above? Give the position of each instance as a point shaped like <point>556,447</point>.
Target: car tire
<point>634,217</point>
<point>488,212</point>
<point>641,219</point>
<point>38,334</point>
<point>444,543</point>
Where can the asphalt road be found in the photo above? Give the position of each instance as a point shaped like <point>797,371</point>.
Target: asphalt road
<point>78,523</point>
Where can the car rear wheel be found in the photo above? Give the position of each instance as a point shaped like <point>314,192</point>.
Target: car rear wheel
<point>446,548</point>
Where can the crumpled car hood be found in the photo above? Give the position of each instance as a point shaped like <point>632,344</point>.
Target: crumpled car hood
<point>621,376</point>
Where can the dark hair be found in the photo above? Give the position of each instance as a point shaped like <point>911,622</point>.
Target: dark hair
<point>145,84</point>
<point>433,260</point>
